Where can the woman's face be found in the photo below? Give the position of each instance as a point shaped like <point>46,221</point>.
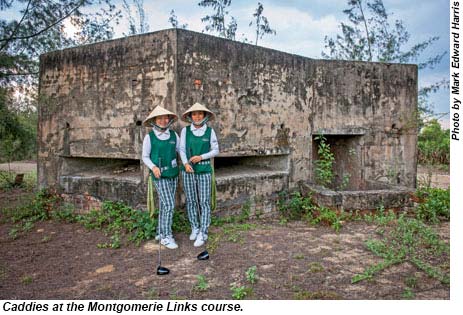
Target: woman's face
<point>162,120</point>
<point>197,116</point>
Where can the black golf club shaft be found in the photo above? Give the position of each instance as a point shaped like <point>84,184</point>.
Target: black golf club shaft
<point>159,221</point>
<point>197,190</point>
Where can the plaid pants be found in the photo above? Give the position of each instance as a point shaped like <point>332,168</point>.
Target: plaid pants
<point>166,192</point>
<point>200,220</point>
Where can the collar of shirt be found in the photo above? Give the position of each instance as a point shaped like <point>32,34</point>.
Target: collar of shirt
<point>201,129</point>
<point>162,134</point>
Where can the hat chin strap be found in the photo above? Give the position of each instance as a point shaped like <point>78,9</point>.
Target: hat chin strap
<point>199,124</point>
<point>159,128</point>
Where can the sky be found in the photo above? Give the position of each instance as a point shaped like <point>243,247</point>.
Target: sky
<point>301,27</point>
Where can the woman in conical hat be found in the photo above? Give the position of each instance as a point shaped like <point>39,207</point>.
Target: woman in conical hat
<point>198,144</point>
<point>160,147</point>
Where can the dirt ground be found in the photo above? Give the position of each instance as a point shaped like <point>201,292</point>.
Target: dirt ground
<point>294,261</point>
<point>62,261</point>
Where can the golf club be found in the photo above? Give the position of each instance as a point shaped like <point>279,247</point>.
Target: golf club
<point>203,255</point>
<point>160,271</point>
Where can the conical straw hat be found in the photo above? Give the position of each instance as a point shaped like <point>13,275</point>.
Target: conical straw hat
<point>197,107</point>
<point>158,111</point>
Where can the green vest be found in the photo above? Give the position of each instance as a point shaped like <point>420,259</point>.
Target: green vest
<point>197,146</point>
<point>165,150</point>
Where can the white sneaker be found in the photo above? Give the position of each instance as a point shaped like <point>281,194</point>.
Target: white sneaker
<point>169,242</point>
<point>194,234</point>
<point>200,240</point>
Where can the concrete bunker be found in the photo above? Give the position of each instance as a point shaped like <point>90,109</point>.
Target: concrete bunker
<point>270,105</point>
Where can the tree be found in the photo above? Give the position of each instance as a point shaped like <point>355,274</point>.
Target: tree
<point>369,36</point>
<point>135,27</point>
<point>216,22</point>
<point>262,25</point>
<point>174,21</point>
<point>434,144</point>
<point>40,28</point>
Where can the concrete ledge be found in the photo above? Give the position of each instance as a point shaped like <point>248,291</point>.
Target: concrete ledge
<point>394,197</point>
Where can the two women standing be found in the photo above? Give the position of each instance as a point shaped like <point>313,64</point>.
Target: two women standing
<point>196,146</point>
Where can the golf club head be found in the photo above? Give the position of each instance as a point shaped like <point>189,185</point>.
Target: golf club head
<point>161,271</point>
<point>203,255</point>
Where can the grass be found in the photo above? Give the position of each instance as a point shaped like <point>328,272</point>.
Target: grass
<point>7,180</point>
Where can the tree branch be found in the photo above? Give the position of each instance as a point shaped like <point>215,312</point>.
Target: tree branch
<point>366,29</point>
<point>17,26</point>
<point>43,30</point>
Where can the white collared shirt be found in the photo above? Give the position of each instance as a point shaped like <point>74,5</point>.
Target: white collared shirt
<point>161,135</point>
<point>198,132</point>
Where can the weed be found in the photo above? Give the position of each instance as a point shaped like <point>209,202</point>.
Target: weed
<point>317,295</point>
<point>299,256</point>
<point>174,296</point>
<point>202,284</point>
<point>296,207</point>
<point>46,239</point>
<point>409,241</point>
<point>3,272</point>
<point>327,216</point>
<point>411,282</point>
<point>324,166</point>
<point>315,267</point>
<point>408,294</point>
<point>345,182</point>
<point>436,205</point>
<point>245,212</point>
<point>239,293</point>
<point>251,275</point>
<point>13,233</point>
<point>152,294</point>
<point>26,280</point>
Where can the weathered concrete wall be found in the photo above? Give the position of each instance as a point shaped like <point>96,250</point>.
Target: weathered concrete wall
<point>262,98</point>
<point>378,102</point>
<point>95,97</point>
<point>269,107</point>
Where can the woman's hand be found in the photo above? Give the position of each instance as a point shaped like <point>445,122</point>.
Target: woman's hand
<point>196,159</point>
<point>188,168</point>
<point>156,171</point>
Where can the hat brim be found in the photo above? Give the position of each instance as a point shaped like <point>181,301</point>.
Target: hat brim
<point>147,122</point>
<point>187,113</point>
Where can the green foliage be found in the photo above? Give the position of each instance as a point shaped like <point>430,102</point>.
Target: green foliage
<point>433,144</point>
<point>329,217</point>
<point>117,219</point>
<point>202,284</point>
<point>40,28</point>
<point>18,131</point>
<point>239,293</point>
<point>26,280</point>
<point>296,207</point>
<point>436,205</point>
<point>217,21</point>
<point>136,21</point>
<point>173,20</point>
<point>409,241</point>
<point>261,23</point>
<point>37,209</point>
<point>251,275</point>
<point>324,165</point>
